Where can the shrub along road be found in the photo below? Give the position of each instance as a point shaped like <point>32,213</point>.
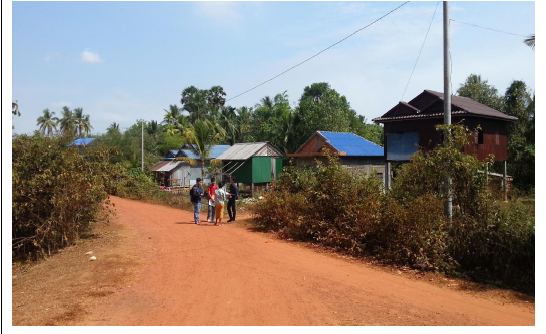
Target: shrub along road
<point>207,275</point>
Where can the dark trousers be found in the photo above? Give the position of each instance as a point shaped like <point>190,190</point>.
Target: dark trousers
<point>231,209</point>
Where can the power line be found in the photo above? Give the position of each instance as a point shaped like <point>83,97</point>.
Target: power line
<point>319,52</point>
<point>433,15</point>
<point>475,25</point>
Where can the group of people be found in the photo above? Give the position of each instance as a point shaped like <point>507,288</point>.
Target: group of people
<point>217,196</point>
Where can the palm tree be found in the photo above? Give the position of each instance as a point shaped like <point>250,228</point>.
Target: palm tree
<point>86,124</point>
<point>47,122</point>
<point>530,41</point>
<point>152,128</point>
<point>113,127</point>
<point>244,116</point>
<point>172,114</point>
<point>81,122</point>
<point>201,136</point>
<point>67,122</point>
<point>228,122</point>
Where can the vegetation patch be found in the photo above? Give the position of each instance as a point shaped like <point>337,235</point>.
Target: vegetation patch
<point>486,240</point>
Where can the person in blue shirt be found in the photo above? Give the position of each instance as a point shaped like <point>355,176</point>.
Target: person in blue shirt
<point>195,197</point>
<point>233,195</point>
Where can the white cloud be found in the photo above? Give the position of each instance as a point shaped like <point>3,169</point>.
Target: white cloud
<point>221,12</point>
<point>90,57</point>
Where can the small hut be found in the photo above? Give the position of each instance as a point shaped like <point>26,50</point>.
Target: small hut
<point>252,163</point>
<point>180,173</point>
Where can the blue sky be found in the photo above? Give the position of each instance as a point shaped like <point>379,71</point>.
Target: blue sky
<point>123,61</point>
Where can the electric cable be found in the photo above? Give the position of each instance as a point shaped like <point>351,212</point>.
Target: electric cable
<point>475,25</point>
<point>433,15</point>
<point>318,53</point>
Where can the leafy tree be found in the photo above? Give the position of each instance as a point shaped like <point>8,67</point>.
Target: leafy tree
<point>315,91</point>
<point>216,96</point>
<point>521,138</point>
<point>47,122</point>
<point>371,132</point>
<point>478,90</point>
<point>328,111</point>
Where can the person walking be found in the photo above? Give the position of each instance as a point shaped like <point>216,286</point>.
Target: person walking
<point>211,211</point>
<point>195,197</point>
<point>233,195</point>
<point>219,200</point>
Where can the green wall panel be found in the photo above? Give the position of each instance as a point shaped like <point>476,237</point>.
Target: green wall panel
<point>261,169</point>
<point>279,167</point>
<point>244,173</point>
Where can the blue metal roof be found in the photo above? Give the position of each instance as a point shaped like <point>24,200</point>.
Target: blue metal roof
<point>215,152</point>
<point>81,142</point>
<point>352,144</point>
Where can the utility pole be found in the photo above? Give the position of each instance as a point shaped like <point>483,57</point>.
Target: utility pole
<point>448,207</point>
<point>142,144</point>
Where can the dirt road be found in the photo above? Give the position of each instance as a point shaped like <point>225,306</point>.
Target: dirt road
<point>208,275</point>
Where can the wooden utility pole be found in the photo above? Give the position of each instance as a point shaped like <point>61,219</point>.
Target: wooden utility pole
<point>142,145</point>
<point>447,103</point>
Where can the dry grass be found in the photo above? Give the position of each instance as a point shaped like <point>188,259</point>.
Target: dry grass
<point>62,289</point>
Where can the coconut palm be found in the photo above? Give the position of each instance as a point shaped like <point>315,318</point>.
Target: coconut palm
<point>172,114</point>
<point>81,122</point>
<point>228,122</point>
<point>67,122</point>
<point>86,124</point>
<point>47,122</point>
<point>530,41</point>
<point>201,136</point>
<point>113,127</point>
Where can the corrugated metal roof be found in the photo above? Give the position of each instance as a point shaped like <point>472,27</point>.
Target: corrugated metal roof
<point>244,151</point>
<point>215,152</point>
<point>170,165</point>
<point>460,105</point>
<point>473,107</point>
<point>158,165</point>
<point>352,144</point>
<point>81,142</point>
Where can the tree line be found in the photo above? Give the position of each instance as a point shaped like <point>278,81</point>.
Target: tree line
<point>203,119</point>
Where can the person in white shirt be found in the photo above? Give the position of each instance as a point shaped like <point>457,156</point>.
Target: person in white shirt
<point>219,199</point>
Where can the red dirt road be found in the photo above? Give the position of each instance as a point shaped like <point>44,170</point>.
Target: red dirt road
<point>208,275</point>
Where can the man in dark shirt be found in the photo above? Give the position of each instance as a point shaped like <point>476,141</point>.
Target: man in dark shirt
<point>195,193</point>
<point>233,195</point>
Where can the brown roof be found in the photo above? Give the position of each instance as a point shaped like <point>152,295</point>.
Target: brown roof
<point>459,106</point>
<point>159,165</point>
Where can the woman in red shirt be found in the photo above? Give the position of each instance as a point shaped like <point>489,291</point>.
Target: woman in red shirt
<point>211,209</point>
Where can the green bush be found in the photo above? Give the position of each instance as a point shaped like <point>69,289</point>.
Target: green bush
<point>56,192</point>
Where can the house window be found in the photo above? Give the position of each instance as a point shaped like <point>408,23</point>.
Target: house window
<point>497,139</point>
